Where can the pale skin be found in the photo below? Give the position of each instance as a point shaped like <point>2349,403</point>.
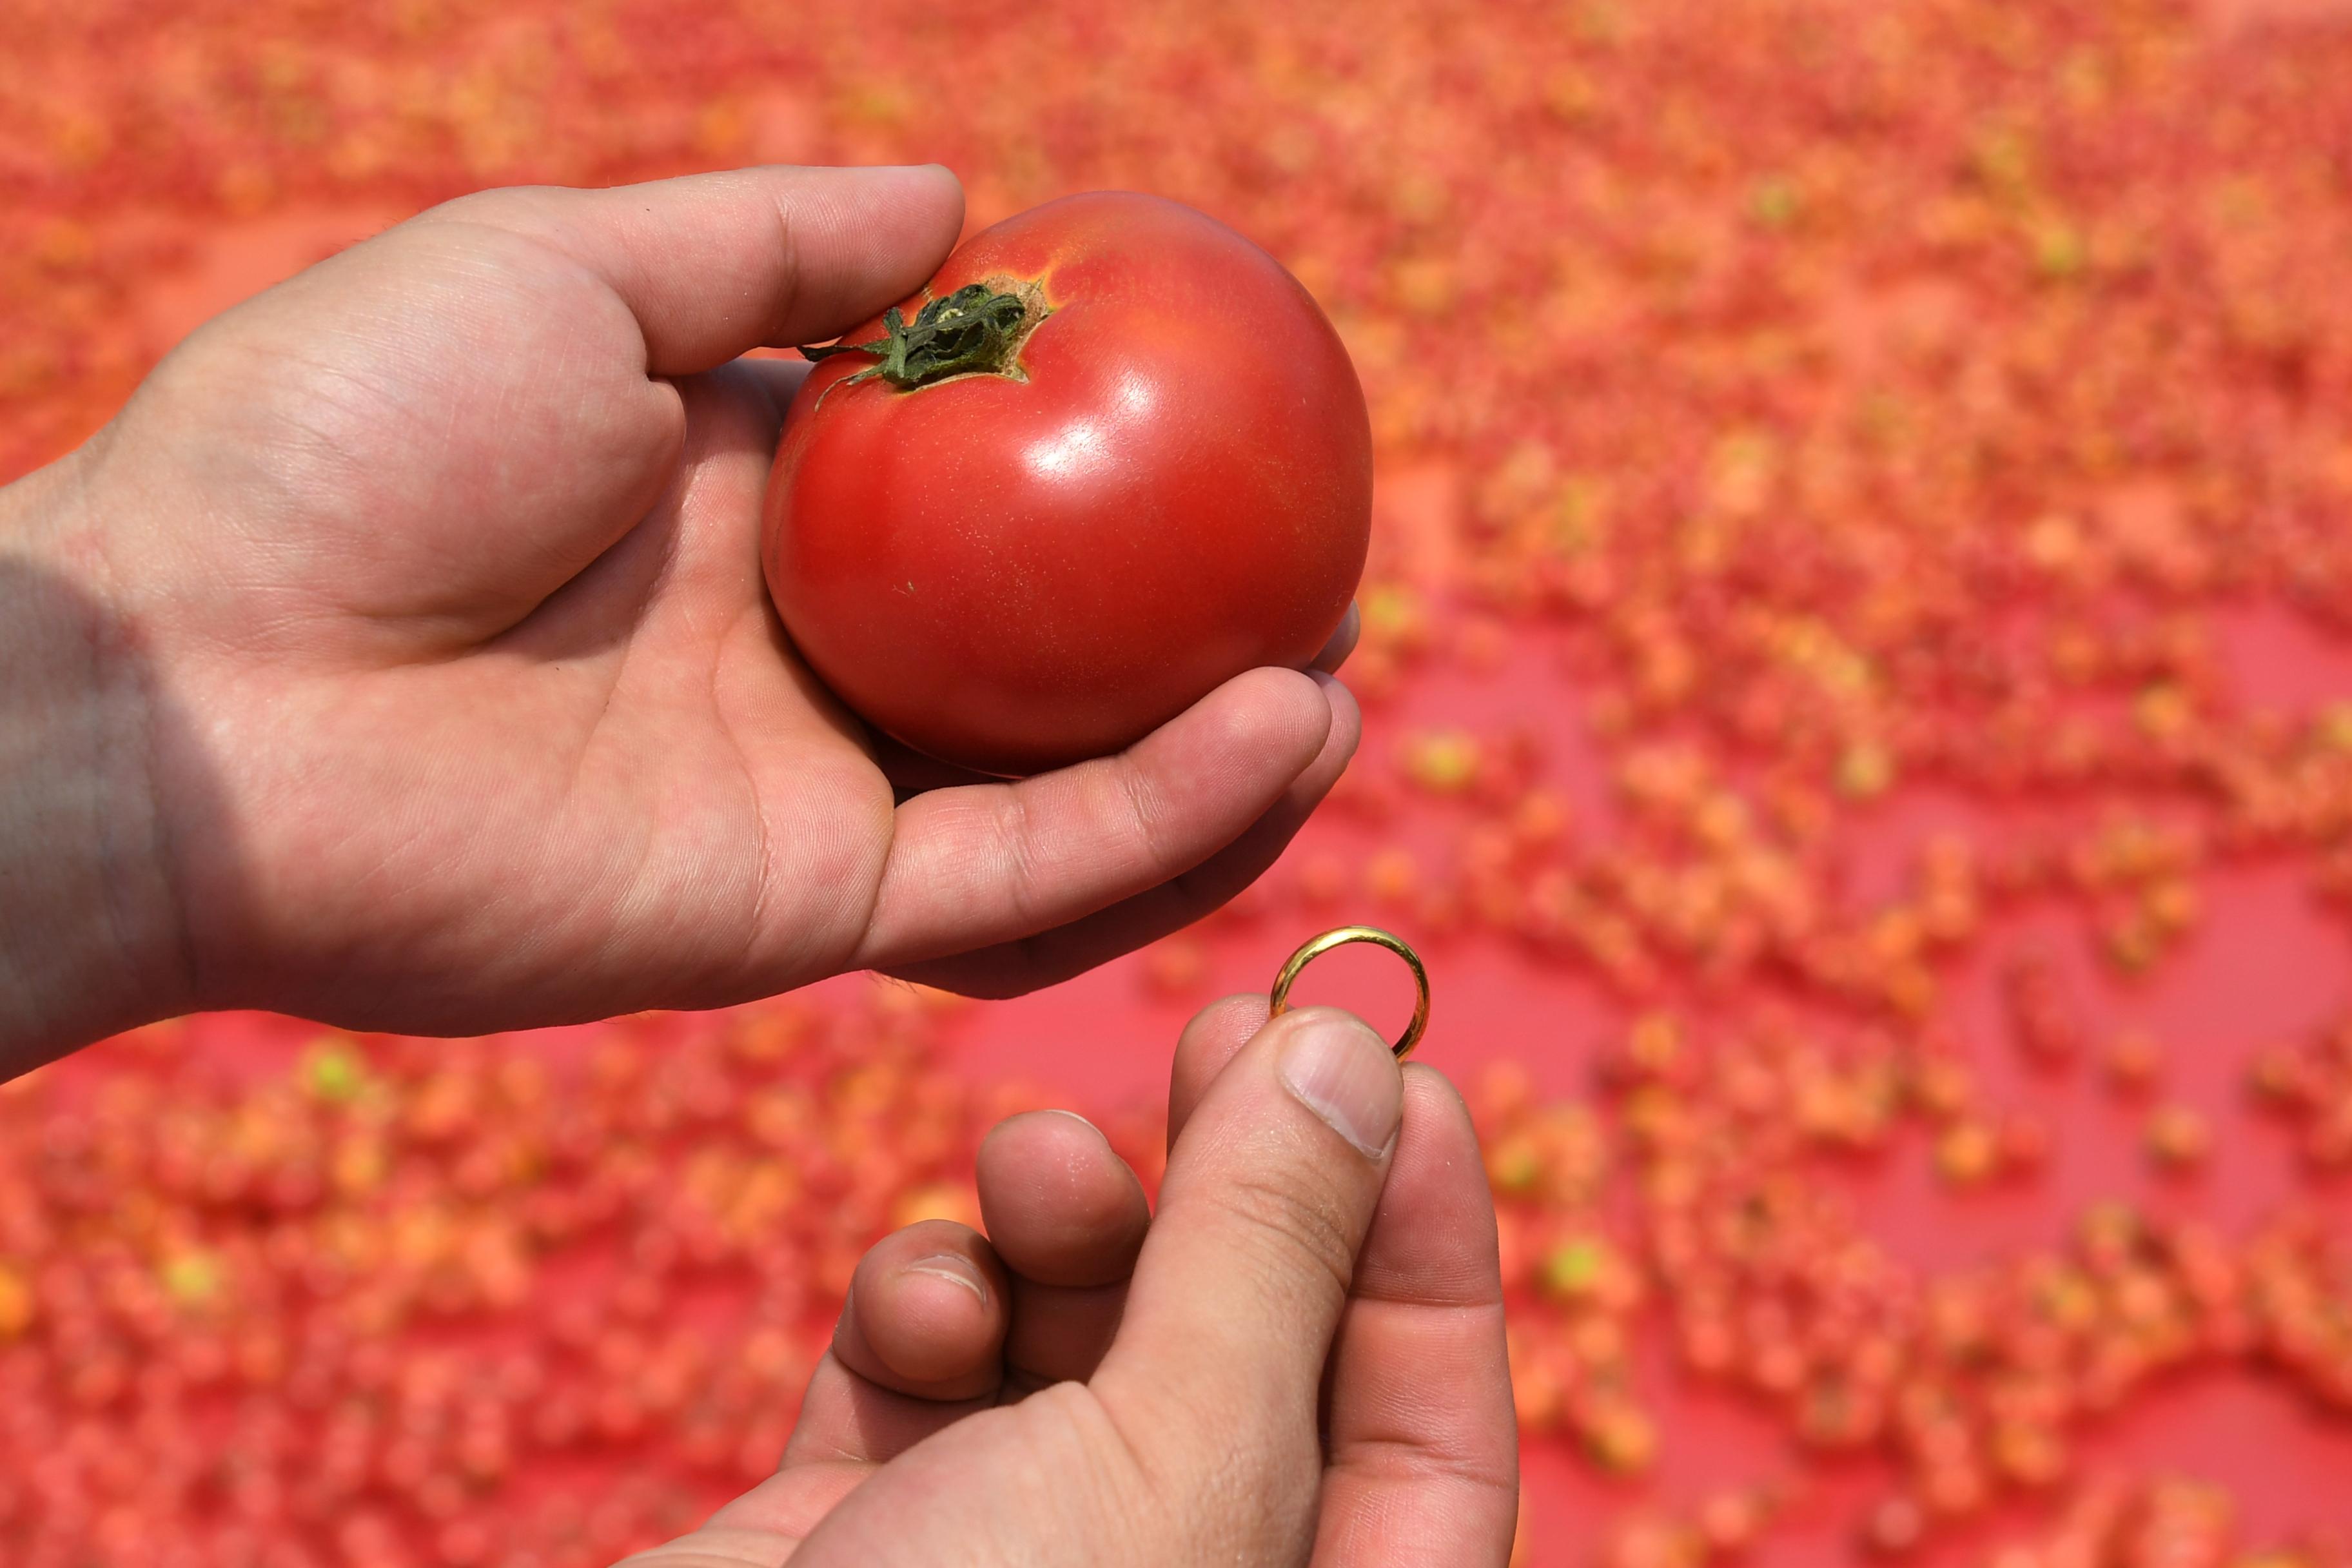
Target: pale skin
<point>399,657</point>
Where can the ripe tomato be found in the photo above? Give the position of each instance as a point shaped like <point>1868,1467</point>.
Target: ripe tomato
<point>1112,456</point>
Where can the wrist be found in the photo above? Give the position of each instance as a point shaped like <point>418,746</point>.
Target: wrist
<point>90,942</point>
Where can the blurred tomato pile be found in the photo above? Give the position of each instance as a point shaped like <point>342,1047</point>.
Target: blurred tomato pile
<point>1859,666</point>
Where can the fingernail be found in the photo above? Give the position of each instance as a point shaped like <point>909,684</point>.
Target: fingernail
<point>958,1270</point>
<point>1344,1073</point>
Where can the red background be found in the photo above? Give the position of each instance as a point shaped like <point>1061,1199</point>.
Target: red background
<point>1776,386</point>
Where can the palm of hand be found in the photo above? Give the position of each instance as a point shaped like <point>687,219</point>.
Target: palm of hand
<point>477,714</point>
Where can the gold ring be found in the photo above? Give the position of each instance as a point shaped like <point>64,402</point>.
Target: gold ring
<point>1280,996</point>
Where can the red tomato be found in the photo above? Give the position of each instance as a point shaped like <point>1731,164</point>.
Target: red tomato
<point>1167,482</point>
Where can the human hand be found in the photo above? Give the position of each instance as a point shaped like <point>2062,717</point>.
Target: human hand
<point>407,664</point>
<point>1292,1364</point>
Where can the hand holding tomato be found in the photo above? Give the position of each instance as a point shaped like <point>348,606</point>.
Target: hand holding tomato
<point>400,658</point>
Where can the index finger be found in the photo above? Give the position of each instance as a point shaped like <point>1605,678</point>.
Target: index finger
<point>1210,1040</point>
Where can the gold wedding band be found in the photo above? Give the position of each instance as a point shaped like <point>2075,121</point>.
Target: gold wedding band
<point>1279,999</point>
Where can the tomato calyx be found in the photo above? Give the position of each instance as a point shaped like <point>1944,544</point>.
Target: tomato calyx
<point>976,330</point>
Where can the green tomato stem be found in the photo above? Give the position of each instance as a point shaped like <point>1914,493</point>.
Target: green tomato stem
<point>976,330</point>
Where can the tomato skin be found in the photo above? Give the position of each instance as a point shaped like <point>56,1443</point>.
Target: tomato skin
<point>1011,575</point>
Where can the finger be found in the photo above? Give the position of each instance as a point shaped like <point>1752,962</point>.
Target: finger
<point>1009,969</point>
<point>919,1346</point>
<point>848,1418</point>
<point>927,1313</point>
<point>1423,1439</point>
<point>1241,1282</point>
<point>985,864</point>
<point>1067,1217</point>
<point>1061,1206</point>
<point>1343,642</point>
<point>713,266</point>
<point>1212,1037</point>
<point>925,1317</point>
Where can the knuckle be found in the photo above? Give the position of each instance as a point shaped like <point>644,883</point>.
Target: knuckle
<point>790,269</point>
<point>1017,851</point>
<point>502,205</point>
<point>1140,802</point>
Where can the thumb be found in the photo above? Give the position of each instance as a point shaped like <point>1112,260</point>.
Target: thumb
<point>1268,1193</point>
<point>715,265</point>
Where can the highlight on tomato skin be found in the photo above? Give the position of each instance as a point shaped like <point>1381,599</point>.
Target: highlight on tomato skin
<point>1111,457</point>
